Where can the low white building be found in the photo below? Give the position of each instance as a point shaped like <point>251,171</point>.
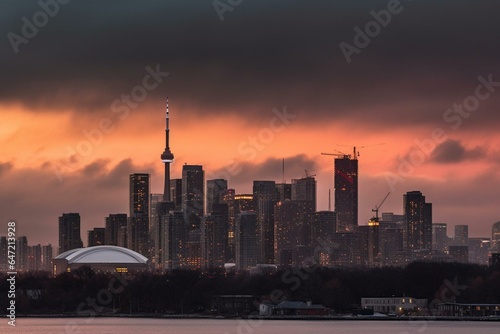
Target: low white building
<point>394,305</point>
<point>101,259</point>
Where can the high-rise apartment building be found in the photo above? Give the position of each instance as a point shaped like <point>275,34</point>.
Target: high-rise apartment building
<point>292,229</point>
<point>176,193</point>
<point>264,197</point>
<point>418,221</point>
<point>214,236</point>
<point>69,232</point>
<point>215,188</point>
<point>113,224</point>
<point>22,258</point>
<point>138,238</point>
<point>228,197</point>
<point>304,189</point>
<point>247,240</point>
<point>193,194</point>
<point>96,237</point>
<point>440,237</point>
<point>461,235</point>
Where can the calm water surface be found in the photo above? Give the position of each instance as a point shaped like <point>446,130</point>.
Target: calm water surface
<point>188,326</point>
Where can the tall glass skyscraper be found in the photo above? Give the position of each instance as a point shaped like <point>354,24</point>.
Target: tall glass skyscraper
<point>138,222</point>
<point>346,193</point>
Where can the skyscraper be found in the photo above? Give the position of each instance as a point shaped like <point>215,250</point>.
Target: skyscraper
<point>346,193</point>
<point>324,225</point>
<point>418,221</point>
<point>35,257</point>
<point>264,196</point>
<point>96,237</point>
<point>69,232</point>
<point>461,235</point>
<point>193,194</point>
<point>174,240</point>
<point>439,237</point>
<point>113,223</point>
<point>391,237</point>
<point>495,237</point>
<point>167,158</point>
<point>158,208</point>
<point>159,232</point>
<point>22,253</point>
<point>176,193</point>
<point>244,202</point>
<point>47,257</point>
<point>228,197</point>
<point>214,190</point>
<point>291,228</point>
<point>284,191</point>
<point>304,189</point>
<point>214,236</point>
<point>138,222</point>
<point>247,240</point>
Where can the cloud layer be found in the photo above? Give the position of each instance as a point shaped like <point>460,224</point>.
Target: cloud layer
<point>225,78</point>
<point>262,55</point>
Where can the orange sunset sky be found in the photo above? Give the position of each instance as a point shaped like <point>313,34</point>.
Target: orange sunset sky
<point>226,82</point>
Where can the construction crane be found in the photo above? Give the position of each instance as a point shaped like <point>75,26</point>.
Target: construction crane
<point>309,175</point>
<point>343,155</point>
<point>377,207</point>
<point>355,152</point>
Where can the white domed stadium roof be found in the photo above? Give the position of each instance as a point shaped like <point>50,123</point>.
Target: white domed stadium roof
<point>102,254</point>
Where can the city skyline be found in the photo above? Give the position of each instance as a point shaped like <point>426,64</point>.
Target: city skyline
<point>68,146</point>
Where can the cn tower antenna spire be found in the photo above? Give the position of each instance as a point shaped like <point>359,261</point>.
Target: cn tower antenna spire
<point>167,157</point>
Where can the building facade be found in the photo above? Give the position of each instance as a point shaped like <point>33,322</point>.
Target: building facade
<point>418,221</point>
<point>346,193</point>
<point>138,237</point>
<point>69,232</point>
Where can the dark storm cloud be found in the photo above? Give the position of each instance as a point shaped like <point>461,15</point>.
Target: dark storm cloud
<point>262,55</point>
<point>452,151</point>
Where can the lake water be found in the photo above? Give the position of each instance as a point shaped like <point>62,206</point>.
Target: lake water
<point>215,326</point>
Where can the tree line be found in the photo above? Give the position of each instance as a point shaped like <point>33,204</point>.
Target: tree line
<point>84,292</point>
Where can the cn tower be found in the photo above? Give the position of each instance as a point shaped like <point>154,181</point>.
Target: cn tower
<point>167,157</point>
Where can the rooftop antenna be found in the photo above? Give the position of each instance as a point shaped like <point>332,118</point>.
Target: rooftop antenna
<point>283,170</point>
<point>329,200</point>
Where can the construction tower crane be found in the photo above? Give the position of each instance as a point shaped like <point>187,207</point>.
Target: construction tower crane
<point>308,174</point>
<point>377,207</point>
<point>355,150</point>
<point>343,155</point>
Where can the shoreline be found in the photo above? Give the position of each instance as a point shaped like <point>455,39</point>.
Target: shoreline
<point>270,318</point>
